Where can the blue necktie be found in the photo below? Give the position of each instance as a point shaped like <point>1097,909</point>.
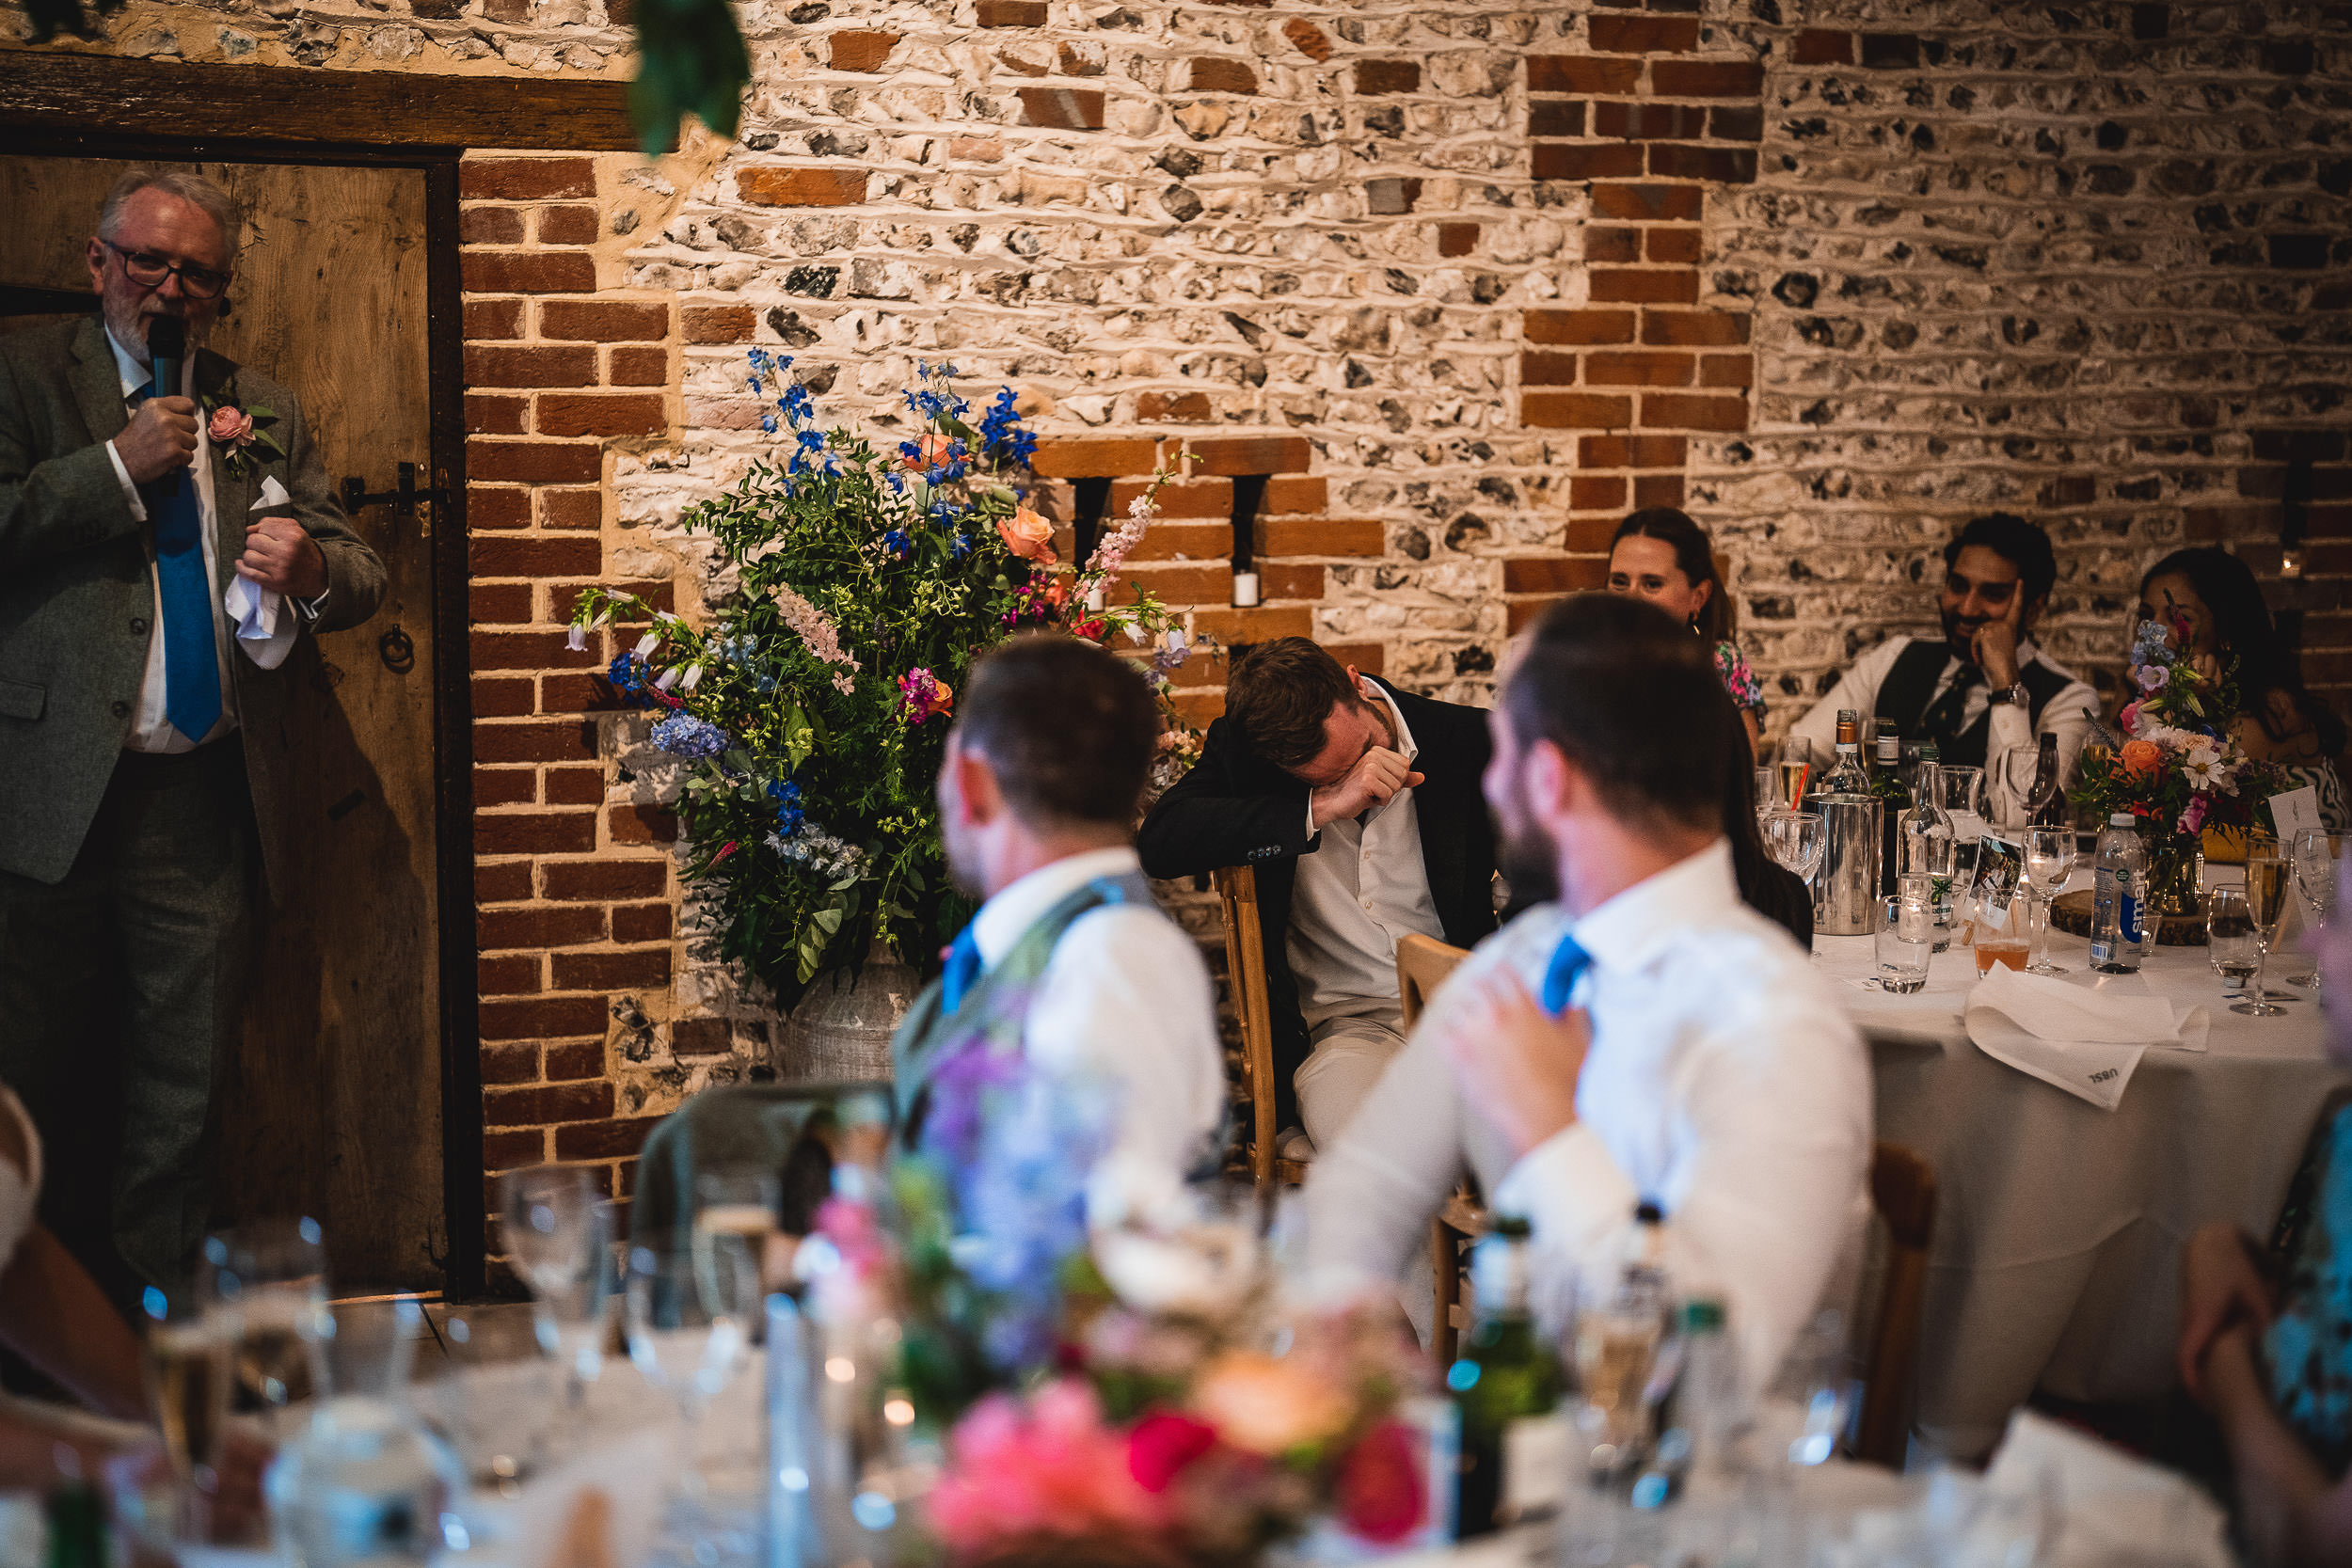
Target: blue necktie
<point>1568,961</point>
<point>964,967</point>
<point>191,660</point>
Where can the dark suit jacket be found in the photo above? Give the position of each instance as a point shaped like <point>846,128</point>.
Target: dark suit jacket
<point>76,588</point>
<point>1234,808</point>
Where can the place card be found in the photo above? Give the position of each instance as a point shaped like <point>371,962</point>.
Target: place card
<point>2296,811</point>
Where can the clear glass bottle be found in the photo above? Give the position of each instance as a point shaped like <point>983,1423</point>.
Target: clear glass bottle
<point>1846,775</point>
<point>1928,846</point>
<point>1886,783</point>
<point>1617,1342</point>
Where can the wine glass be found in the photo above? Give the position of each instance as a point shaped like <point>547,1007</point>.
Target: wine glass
<point>555,1232</point>
<point>2230,939</point>
<point>1795,840</point>
<point>2265,901</point>
<point>690,1316</point>
<point>189,1367</point>
<point>2016,769</point>
<point>1767,790</point>
<point>263,1283</point>
<point>2315,852</point>
<point>2049,861</point>
<point>1964,801</point>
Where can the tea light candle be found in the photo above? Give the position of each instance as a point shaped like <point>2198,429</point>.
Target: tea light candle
<point>1245,590</point>
<point>1096,598</point>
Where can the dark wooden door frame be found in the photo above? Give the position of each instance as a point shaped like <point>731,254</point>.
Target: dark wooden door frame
<point>462,1163</point>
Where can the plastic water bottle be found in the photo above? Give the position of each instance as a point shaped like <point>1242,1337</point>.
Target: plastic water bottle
<point>2119,900</point>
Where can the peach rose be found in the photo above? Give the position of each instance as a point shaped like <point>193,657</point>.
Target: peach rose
<point>931,450</point>
<point>1026,535</point>
<point>1264,1406</point>
<point>229,426</point>
<point>2140,757</point>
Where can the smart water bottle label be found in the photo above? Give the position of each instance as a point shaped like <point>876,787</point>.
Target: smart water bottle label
<point>2129,907</point>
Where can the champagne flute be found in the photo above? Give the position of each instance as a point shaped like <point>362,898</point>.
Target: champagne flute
<point>2265,901</point>
<point>2049,861</point>
<point>554,1231</point>
<point>189,1367</point>
<point>2230,939</point>
<point>2315,852</point>
<point>264,1282</point>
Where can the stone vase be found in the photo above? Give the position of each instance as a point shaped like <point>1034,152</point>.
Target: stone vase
<point>840,1030</point>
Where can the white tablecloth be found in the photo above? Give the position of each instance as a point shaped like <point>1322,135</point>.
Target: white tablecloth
<point>2058,1225</point>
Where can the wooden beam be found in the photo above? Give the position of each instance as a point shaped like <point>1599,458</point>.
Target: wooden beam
<point>56,90</point>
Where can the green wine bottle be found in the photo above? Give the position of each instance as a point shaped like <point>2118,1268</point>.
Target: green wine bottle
<point>1507,1387</point>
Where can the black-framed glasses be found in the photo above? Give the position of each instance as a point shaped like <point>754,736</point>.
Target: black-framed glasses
<point>149,270</point>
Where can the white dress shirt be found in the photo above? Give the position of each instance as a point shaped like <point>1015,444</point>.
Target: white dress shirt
<point>1125,999</point>
<point>149,730</point>
<point>1724,1082</point>
<point>1360,889</point>
<point>2069,716</point>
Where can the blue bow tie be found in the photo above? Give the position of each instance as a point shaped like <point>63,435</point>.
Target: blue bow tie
<point>963,968</point>
<point>1569,961</point>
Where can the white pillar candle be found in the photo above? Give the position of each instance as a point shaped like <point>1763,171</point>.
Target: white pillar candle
<point>1245,590</point>
<point>1097,599</point>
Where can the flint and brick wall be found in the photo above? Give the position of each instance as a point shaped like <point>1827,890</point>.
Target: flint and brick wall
<point>1466,280</point>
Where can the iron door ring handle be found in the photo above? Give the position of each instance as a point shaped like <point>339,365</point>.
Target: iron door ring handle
<point>398,653</point>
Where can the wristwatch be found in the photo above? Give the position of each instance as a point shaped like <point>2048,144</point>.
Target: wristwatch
<point>2015,696</point>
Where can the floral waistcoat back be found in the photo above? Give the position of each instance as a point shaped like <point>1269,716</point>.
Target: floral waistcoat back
<point>944,1063</point>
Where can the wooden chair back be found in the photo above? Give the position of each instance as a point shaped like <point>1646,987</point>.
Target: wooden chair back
<point>1245,970</point>
<point>1421,965</point>
<point>1902,1191</point>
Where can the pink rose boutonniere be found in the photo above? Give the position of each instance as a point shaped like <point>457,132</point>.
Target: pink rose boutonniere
<point>241,434</point>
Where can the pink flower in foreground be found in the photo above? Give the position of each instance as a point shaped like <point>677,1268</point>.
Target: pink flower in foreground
<point>230,427</point>
<point>923,695</point>
<point>1049,1468</point>
<point>2193,819</point>
<point>2129,718</point>
<point>1163,1444</point>
<point>1383,1493</point>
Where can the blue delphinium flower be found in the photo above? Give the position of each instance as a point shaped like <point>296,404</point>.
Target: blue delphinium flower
<point>958,546</point>
<point>1001,436</point>
<point>768,423</point>
<point>897,544</point>
<point>685,736</point>
<point>627,676</point>
<point>787,794</point>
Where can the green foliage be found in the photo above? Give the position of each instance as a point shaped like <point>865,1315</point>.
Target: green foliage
<point>690,59</point>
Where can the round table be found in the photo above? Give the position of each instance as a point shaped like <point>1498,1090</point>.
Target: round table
<point>2058,1225</point>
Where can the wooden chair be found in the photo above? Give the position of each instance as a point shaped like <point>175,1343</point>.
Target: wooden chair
<point>1421,965</point>
<point>1245,967</point>
<point>1902,1191</point>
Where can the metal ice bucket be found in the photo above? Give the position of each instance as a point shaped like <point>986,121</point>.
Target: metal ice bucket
<point>1846,892</point>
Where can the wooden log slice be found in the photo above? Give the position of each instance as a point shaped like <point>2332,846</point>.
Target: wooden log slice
<point>2071,912</point>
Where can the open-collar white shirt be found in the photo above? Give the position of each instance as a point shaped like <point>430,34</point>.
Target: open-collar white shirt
<point>1363,887</point>
<point>1125,1000</point>
<point>1724,1082</point>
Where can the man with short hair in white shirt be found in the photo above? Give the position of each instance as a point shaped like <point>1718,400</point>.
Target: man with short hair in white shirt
<point>1648,1038</point>
<point>1986,694</point>
<point>1068,962</point>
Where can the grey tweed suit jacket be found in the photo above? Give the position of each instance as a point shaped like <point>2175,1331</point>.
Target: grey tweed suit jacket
<point>76,593</point>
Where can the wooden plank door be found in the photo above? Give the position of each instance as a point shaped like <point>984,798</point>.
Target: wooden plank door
<point>332,1106</point>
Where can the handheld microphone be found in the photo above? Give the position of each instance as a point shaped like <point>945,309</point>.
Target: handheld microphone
<point>167,346</point>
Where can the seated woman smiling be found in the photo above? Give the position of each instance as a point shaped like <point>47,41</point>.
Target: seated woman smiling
<point>1661,555</point>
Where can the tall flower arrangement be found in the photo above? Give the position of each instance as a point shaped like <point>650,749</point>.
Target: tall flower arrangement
<point>811,713</point>
<point>2179,771</point>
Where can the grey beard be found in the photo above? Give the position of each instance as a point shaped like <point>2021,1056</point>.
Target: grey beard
<point>127,325</point>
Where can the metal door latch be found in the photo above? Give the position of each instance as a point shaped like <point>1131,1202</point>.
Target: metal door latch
<point>404,496</point>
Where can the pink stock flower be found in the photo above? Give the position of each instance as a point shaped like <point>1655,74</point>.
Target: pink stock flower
<point>229,426</point>
<point>2193,819</point>
<point>1050,1467</point>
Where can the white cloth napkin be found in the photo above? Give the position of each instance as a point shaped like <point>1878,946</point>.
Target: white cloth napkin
<point>635,1476</point>
<point>2119,1512</point>
<point>265,623</point>
<point>2083,1040</point>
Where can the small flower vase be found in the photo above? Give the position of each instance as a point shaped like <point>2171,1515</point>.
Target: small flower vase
<point>2172,875</point>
